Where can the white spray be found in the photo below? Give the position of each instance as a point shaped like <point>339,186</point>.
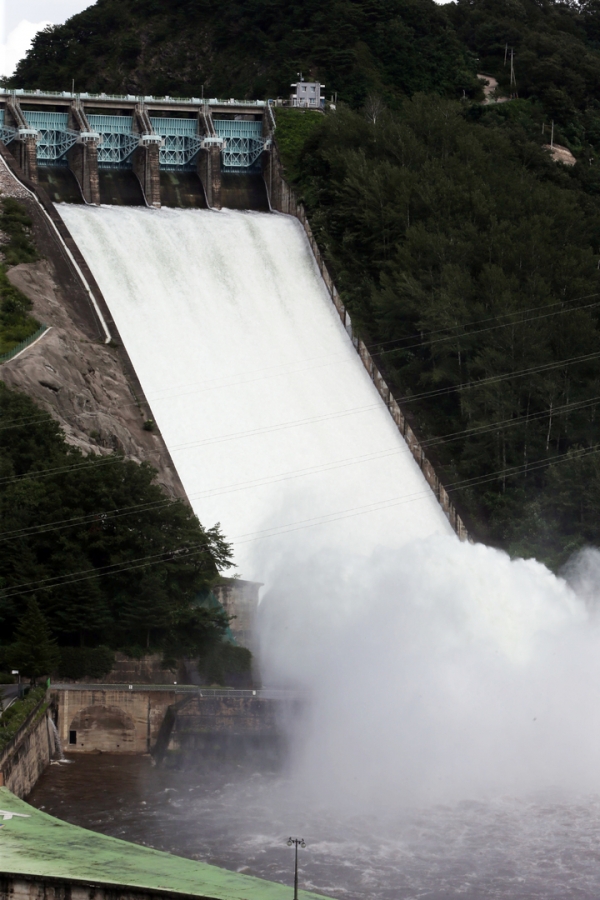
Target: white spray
<point>436,670</point>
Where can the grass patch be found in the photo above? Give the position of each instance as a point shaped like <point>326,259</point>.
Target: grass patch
<point>15,715</point>
<point>16,225</point>
<point>16,322</point>
<point>294,127</point>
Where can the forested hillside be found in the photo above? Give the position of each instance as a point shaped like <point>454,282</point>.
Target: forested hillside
<point>470,263</point>
<point>107,556</point>
<point>469,259</point>
<point>252,48</point>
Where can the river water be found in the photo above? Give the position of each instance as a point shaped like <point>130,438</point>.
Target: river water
<point>239,818</point>
<point>439,671</point>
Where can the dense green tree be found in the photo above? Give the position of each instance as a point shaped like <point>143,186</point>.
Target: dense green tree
<point>109,557</point>
<point>469,262</point>
<point>16,322</point>
<point>252,49</point>
<point>33,653</point>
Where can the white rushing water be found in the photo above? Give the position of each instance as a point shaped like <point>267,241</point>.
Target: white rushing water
<point>270,417</point>
<point>439,672</point>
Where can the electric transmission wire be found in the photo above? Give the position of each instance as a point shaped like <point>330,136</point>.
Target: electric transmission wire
<point>315,521</point>
<point>225,382</point>
<point>104,516</point>
<point>466,334</point>
<point>509,423</point>
<point>518,312</point>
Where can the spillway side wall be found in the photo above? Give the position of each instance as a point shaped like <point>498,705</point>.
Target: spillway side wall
<point>35,887</point>
<point>282,198</point>
<point>28,754</point>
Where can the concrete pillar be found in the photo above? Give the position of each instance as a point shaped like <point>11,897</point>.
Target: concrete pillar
<point>83,162</point>
<point>24,147</point>
<point>146,165</point>
<point>209,171</point>
<point>83,157</point>
<point>25,150</point>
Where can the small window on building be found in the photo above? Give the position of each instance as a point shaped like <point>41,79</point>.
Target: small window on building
<point>72,737</point>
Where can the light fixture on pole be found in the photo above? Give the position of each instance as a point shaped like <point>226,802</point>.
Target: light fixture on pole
<point>297,842</point>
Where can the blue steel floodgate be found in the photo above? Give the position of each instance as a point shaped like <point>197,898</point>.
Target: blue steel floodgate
<point>40,848</point>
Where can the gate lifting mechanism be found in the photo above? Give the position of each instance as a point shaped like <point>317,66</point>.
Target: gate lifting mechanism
<point>7,134</point>
<point>245,143</point>
<point>242,141</point>
<point>55,137</point>
<point>181,141</point>
<point>117,139</point>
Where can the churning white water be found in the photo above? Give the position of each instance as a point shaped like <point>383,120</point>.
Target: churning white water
<point>270,417</point>
<point>438,672</point>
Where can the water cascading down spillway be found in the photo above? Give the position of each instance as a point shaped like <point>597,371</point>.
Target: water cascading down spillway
<point>275,427</point>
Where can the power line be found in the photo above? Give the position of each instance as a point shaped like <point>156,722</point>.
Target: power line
<point>225,381</point>
<point>519,312</point>
<point>315,521</point>
<point>467,334</point>
<point>509,423</point>
<point>114,569</point>
<point>398,501</point>
<point>493,379</point>
<point>298,423</point>
<point>109,515</point>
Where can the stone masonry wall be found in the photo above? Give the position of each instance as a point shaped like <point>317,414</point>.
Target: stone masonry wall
<point>27,757</point>
<point>39,887</point>
<point>116,720</point>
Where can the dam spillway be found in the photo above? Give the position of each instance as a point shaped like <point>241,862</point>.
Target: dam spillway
<point>273,424</point>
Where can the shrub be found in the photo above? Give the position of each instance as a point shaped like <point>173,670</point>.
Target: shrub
<point>227,664</point>
<point>15,715</point>
<point>85,662</point>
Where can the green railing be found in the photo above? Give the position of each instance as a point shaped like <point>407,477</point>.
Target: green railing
<point>4,357</point>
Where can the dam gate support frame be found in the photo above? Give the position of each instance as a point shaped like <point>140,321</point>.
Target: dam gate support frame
<point>148,135</point>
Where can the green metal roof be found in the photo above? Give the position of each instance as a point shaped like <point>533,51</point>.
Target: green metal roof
<point>40,845</point>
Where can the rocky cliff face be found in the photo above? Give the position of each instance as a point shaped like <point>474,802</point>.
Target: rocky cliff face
<point>89,387</point>
<point>80,382</point>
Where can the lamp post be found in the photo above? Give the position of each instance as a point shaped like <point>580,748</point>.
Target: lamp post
<point>298,842</point>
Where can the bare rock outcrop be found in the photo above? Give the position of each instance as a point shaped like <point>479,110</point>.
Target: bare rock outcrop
<point>89,387</point>
<point>82,383</point>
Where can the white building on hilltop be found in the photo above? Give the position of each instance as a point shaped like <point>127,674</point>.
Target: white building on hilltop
<point>308,94</point>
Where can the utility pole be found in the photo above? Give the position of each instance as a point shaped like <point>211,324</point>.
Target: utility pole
<point>505,52</point>
<point>552,135</point>
<point>513,80</point>
<point>298,842</point>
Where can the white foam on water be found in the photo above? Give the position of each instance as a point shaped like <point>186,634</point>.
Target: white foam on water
<point>437,670</point>
<point>269,415</point>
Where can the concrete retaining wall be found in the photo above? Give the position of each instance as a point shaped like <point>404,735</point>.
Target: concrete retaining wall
<point>113,720</point>
<point>283,199</point>
<point>30,887</point>
<point>28,754</point>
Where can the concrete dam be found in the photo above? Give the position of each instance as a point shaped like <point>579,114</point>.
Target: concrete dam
<point>271,419</point>
<point>438,671</point>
